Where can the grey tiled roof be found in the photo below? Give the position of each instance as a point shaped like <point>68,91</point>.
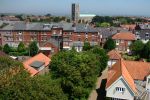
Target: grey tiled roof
<point>39,26</point>
<point>143,34</point>
<point>108,32</point>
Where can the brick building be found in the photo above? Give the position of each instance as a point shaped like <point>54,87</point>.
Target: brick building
<point>54,35</point>
<point>123,40</point>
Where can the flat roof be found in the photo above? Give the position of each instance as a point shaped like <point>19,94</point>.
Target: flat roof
<point>87,15</point>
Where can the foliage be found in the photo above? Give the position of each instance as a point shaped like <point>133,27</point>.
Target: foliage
<point>56,19</point>
<point>109,44</point>
<point>101,57</point>
<point>86,46</point>
<point>16,84</point>
<point>146,50</point>
<point>137,47</point>
<point>78,71</point>
<point>1,48</point>
<point>20,17</point>
<point>33,48</point>
<point>131,57</point>
<point>6,48</point>
<point>105,24</point>
<point>21,47</point>
<point>68,20</point>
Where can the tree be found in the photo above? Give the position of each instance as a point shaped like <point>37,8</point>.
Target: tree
<point>137,47</point>
<point>86,46</point>
<point>146,50</point>
<point>33,48</point>
<point>68,20</point>
<point>6,48</point>
<point>56,19</point>
<point>101,57</point>
<point>105,24</point>
<point>18,85</point>
<point>48,15</point>
<point>109,44</point>
<point>21,47</point>
<point>77,71</point>
<point>1,48</point>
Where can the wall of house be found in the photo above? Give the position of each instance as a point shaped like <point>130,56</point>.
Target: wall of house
<point>123,45</point>
<point>148,83</point>
<point>111,62</point>
<point>44,71</point>
<point>112,93</point>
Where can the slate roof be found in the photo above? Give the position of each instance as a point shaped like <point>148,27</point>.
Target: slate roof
<point>108,32</point>
<point>39,26</point>
<point>142,34</point>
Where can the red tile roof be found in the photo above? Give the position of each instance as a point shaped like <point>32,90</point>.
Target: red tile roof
<point>124,36</point>
<point>39,57</point>
<point>118,70</point>
<point>130,71</point>
<point>114,54</point>
<point>137,69</point>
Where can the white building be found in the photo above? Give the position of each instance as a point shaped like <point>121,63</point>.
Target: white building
<point>86,17</point>
<point>128,80</point>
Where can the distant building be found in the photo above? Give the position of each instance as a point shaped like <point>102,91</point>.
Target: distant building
<point>51,37</point>
<point>75,12</point>
<point>142,32</point>
<point>86,17</point>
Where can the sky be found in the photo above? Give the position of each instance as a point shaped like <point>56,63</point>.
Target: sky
<point>63,7</point>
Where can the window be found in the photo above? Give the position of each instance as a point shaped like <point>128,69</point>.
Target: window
<point>148,80</point>
<point>86,39</point>
<point>119,89</point>
<point>122,41</point>
<point>79,39</point>
<point>147,34</point>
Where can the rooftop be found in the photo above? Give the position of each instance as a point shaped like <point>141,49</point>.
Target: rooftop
<point>38,60</point>
<point>130,71</point>
<point>37,64</point>
<point>124,36</point>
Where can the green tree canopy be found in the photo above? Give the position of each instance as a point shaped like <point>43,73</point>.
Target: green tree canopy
<point>105,24</point>
<point>86,46</point>
<point>1,48</point>
<point>137,47</point>
<point>21,47</point>
<point>77,71</point>
<point>33,48</point>
<point>146,50</point>
<point>16,84</point>
<point>109,44</point>
<point>6,48</point>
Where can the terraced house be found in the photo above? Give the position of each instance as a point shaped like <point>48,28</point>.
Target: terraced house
<point>50,36</point>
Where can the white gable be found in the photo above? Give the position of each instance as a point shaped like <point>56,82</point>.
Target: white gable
<point>119,89</point>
